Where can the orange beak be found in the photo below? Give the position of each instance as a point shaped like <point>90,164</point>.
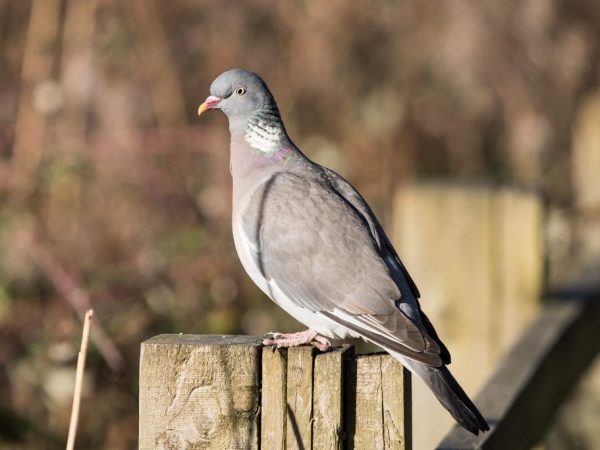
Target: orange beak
<point>209,103</point>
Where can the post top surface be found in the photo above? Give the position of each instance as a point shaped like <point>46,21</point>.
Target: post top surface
<point>204,339</point>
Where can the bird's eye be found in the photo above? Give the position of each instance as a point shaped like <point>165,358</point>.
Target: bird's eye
<point>240,90</point>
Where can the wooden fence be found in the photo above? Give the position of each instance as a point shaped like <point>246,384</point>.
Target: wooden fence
<point>478,257</point>
<point>229,392</point>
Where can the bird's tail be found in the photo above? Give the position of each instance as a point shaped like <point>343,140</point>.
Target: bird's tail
<point>450,395</point>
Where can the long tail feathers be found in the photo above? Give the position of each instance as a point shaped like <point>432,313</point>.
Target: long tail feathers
<point>450,394</point>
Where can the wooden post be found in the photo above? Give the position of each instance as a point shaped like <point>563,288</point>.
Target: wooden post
<point>272,427</point>
<point>476,253</point>
<point>328,398</point>
<point>586,182</point>
<point>199,392</point>
<point>518,263</point>
<point>206,392</point>
<point>378,413</point>
<point>299,397</point>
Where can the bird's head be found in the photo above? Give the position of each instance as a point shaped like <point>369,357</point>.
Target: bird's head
<point>252,112</point>
<point>239,94</point>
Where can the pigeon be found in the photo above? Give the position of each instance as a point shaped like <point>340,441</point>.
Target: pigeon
<point>310,242</point>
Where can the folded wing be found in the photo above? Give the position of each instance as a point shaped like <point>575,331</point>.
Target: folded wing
<point>328,256</point>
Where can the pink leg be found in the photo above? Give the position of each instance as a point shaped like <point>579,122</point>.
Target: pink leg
<point>294,339</point>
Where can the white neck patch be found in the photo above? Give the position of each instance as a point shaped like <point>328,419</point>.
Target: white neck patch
<point>264,131</point>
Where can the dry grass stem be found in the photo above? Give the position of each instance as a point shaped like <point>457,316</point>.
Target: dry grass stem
<point>79,380</point>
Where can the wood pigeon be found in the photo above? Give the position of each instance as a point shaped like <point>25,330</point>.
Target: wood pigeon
<point>310,242</point>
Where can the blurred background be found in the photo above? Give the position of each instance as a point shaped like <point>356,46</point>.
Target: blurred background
<point>113,194</point>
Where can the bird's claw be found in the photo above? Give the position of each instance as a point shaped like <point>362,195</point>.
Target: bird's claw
<point>322,343</point>
<point>273,335</point>
<point>281,340</point>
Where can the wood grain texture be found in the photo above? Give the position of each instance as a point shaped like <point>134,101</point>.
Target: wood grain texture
<point>397,408</point>
<point>199,392</point>
<point>375,407</point>
<point>299,397</point>
<point>328,398</point>
<point>205,392</point>
<point>273,400</point>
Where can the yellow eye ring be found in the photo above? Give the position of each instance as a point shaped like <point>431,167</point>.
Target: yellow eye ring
<point>240,90</point>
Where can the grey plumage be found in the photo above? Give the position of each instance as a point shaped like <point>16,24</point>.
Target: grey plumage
<point>310,241</point>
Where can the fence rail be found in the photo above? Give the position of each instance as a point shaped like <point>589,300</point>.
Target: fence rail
<point>534,378</point>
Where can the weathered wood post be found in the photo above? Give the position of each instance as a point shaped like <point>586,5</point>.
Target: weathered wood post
<point>199,392</point>
<point>229,392</point>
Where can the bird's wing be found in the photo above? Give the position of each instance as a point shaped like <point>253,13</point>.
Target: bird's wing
<point>350,194</point>
<point>409,301</point>
<point>321,252</point>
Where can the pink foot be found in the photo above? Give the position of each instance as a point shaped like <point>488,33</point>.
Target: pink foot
<point>296,339</point>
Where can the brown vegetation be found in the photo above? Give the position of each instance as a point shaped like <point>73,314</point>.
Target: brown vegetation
<point>113,195</point>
